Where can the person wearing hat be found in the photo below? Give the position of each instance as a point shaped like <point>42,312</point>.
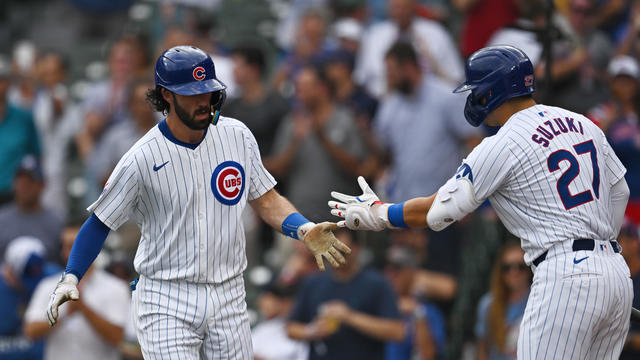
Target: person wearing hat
<point>18,135</point>
<point>22,269</point>
<point>618,118</point>
<point>25,215</point>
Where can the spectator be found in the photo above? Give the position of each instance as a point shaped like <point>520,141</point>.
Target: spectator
<point>526,31</point>
<point>270,339</point>
<point>348,313</point>
<point>92,326</point>
<point>348,33</point>
<point>438,53</point>
<point>260,109</point>
<point>339,69</point>
<point>629,239</point>
<point>425,325</point>
<point>310,38</point>
<point>23,267</point>
<point>57,121</point>
<point>118,139</point>
<point>24,85</point>
<point>105,102</point>
<point>482,19</point>
<point>420,116</point>
<point>580,60</point>
<point>500,311</point>
<point>317,148</point>
<point>26,216</point>
<point>18,136</point>
<point>618,118</point>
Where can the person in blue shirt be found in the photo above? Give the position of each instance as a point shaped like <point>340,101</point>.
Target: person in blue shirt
<point>23,267</point>
<point>501,310</point>
<point>348,313</point>
<point>18,136</point>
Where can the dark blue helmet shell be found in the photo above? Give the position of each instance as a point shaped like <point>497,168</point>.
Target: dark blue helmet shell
<point>187,70</point>
<point>495,73</point>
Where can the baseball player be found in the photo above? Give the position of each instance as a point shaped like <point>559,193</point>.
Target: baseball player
<point>555,182</point>
<point>186,183</point>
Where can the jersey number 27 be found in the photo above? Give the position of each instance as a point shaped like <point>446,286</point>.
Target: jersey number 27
<point>571,201</point>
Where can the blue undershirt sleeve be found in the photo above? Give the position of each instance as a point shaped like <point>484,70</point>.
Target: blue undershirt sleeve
<point>87,246</point>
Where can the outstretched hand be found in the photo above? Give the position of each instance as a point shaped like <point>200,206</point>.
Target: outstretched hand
<point>364,212</point>
<point>322,243</point>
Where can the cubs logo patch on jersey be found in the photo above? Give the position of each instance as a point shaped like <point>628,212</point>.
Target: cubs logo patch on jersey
<point>227,182</point>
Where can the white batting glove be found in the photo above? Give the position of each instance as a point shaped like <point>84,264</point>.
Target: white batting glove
<point>65,290</point>
<point>320,240</point>
<point>364,212</point>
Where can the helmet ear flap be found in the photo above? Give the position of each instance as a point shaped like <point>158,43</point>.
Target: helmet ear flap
<point>217,99</point>
<point>474,112</point>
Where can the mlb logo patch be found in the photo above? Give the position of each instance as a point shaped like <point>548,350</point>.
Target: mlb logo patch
<point>227,182</point>
<point>528,80</point>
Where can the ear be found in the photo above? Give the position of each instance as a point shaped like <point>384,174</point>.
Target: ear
<point>166,95</point>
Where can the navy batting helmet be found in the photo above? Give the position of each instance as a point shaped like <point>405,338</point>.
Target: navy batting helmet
<point>187,70</point>
<point>495,74</point>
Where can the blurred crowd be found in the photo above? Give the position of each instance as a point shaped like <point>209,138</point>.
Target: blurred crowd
<point>331,89</point>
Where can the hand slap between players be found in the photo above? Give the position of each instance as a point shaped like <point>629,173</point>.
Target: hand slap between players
<point>321,242</point>
<point>364,212</point>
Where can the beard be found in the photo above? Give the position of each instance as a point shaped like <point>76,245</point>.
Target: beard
<point>405,86</point>
<point>190,119</point>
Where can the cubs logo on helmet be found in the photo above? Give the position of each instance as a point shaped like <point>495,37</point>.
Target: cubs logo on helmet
<point>199,73</point>
<point>227,182</point>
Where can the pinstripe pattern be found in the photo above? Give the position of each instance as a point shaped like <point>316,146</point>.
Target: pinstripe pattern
<point>575,310</point>
<point>190,299</point>
<point>511,170</point>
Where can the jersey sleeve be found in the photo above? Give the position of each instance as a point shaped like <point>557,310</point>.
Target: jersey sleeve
<point>120,194</point>
<point>260,180</point>
<point>487,166</point>
<point>613,168</point>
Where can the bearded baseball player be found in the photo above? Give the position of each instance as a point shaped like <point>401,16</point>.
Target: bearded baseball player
<point>186,183</point>
<point>555,182</point>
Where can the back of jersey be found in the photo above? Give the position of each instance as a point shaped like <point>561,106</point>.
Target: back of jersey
<point>548,174</point>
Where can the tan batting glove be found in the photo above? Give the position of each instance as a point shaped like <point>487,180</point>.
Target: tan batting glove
<point>364,212</point>
<point>320,240</point>
<point>65,290</point>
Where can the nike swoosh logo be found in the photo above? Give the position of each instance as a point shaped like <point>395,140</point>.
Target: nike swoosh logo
<point>576,261</point>
<point>156,168</point>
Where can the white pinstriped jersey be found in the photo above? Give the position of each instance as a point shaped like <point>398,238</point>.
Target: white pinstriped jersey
<point>187,201</point>
<point>548,174</point>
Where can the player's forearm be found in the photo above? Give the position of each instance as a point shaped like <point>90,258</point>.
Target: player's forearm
<point>111,333</point>
<point>273,208</point>
<point>379,328</point>
<point>86,247</point>
<point>415,211</point>
<point>37,329</point>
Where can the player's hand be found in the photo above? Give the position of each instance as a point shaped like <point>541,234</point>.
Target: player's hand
<point>364,212</point>
<point>320,240</point>
<point>65,290</point>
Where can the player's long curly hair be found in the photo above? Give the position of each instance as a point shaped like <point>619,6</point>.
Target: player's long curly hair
<point>497,327</point>
<point>157,102</point>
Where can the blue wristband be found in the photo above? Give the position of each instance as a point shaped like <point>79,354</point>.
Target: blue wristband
<point>396,215</point>
<point>291,224</point>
